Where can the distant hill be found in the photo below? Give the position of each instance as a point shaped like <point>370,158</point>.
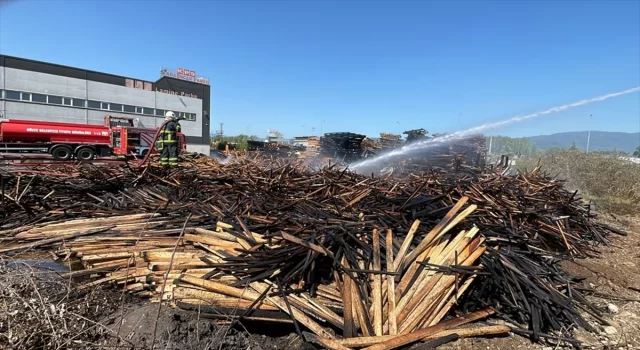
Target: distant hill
<point>600,141</point>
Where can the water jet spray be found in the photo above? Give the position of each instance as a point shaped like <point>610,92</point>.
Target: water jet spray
<point>406,150</point>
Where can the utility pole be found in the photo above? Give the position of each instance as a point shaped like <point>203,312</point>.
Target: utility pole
<point>490,143</point>
<point>221,132</point>
<point>589,133</point>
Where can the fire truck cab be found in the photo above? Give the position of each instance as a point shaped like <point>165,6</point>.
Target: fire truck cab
<point>127,139</point>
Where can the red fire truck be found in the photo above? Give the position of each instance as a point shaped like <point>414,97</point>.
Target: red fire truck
<point>64,141</point>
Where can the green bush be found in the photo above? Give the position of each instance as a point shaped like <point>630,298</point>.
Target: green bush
<point>610,182</point>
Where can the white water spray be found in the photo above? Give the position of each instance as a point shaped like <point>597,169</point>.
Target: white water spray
<point>458,135</point>
<point>220,159</point>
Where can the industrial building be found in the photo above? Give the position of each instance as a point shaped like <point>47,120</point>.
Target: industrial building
<point>34,90</point>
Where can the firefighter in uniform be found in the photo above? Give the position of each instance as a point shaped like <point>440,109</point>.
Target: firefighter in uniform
<point>169,141</point>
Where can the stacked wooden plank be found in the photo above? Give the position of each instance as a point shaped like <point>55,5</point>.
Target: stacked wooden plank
<point>387,258</point>
<point>313,147</point>
<point>389,141</point>
<point>465,154</point>
<point>416,135</point>
<point>468,152</point>
<point>342,146</point>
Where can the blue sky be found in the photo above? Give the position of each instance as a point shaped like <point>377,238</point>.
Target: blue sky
<point>360,66</point>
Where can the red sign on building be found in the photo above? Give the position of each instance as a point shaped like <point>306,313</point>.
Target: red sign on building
<point>184,74</point>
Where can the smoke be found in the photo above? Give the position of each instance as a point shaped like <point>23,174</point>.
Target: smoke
<point>226,160</point>
<point>220,158</point>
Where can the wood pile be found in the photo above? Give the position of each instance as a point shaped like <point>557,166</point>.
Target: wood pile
<point>313,147</point>
<point>272,149</point>
<point>342,146</point>
<point>416,135</point>
<point>465,154</point>
<point>388,141</point>
<point>360,262</point>
<point>451,156</point>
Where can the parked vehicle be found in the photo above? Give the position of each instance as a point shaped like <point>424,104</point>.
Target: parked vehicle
<point>65,141</point>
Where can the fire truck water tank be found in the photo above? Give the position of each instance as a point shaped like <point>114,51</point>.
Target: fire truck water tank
<point>29,131</point>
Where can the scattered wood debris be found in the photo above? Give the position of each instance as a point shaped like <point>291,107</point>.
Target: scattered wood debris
<point>361,262</point>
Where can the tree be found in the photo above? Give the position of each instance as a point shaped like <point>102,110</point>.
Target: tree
<point>520,146</point>
<point>637,152</point>
<point>241,141</point>
<point>276,134</point>
<point>573,146</point>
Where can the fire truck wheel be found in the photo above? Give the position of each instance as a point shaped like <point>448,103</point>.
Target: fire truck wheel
<point>85,153</point>
<point>61,152</point>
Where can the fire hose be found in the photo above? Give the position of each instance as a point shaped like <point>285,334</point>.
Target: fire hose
<point>146,158</point>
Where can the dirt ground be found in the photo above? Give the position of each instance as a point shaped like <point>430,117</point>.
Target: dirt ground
<point>185,331</point>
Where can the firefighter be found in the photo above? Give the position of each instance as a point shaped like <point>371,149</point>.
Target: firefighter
<point>169,141</point>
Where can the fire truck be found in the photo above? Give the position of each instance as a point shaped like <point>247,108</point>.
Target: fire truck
<point>65,141</point>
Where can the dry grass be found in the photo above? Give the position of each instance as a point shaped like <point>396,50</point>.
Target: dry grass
<point>612,183</point>
<point>40,310</point>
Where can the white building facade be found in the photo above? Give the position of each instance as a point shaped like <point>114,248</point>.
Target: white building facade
<point>32,90</point>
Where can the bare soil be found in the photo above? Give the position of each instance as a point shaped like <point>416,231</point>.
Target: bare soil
<point>185,331</point>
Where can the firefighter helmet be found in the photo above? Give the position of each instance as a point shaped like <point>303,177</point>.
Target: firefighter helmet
<point>170,115</point>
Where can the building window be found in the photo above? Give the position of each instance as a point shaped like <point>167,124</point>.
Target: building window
<point>115,107</point>
<point>12,95</point>
<point>56,100</point>
<point>92,104</point>
<point>39,98</point>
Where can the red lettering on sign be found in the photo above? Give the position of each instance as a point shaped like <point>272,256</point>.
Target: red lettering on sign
<point>179,70</point>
